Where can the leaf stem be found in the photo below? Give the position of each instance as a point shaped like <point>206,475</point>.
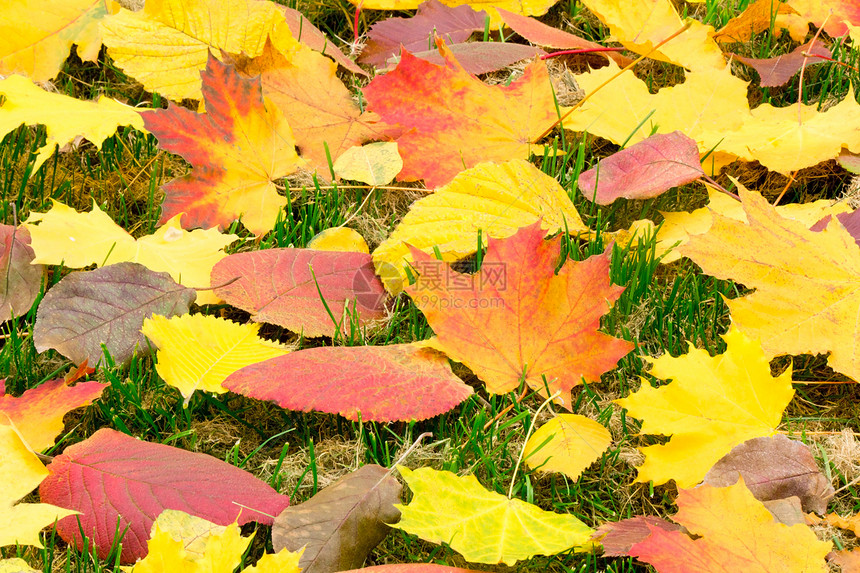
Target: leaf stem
<point>554,395</point>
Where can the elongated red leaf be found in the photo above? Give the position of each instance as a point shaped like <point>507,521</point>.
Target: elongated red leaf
<point>644,170</point>
<point>411,568</point>
<point>283,286</point>
<point>774,72</point>
<point>400,382</point>
<point>340,526</point>
<point>113,478</point>
<point>483,57</point>
<point>38,412</point>
<point>20,281</point>
<point>453,24</point>
<point>313,37</point>
<point>106,306</point>
<point>617,537</point>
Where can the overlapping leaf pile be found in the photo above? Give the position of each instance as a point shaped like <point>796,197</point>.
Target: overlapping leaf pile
<point>256,95</point>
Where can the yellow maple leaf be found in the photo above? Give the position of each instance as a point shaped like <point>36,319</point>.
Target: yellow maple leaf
<point>198,352</point>
<point>679,225</point>
<point>76,240</point>
<point>785,139</point>
<point>568,443</point>
<point>807,283</point>
<point>493,198</point>
<point>705,107</point>
<point>641,24</point>
<point>22,473</point>
<point>712,404</point>
<point>64,117</point>
<point>482,525</point>
<point>35,36</point>
<point>524,7</point>
<point>166,45</point>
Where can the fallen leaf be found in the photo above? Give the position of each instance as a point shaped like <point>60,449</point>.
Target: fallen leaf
<point>65,118</point>
<point>284,286</point>
<point>62,236</point>
<point>415,34</point>
<point>850,523</point>
<point>397,382</point>
<point>735,532</point>
<point>340,525</point>
<point>517,319</point>
<point>21,523</point>
<point>339,239</point>
<point>480,57</point>
<point>373,163</point>
<point>774,468</point>
<point>121,484</point>
<point>318,107</point>
<point>524,7</point>
<point>198,352</point>
<point>642,24</point>
<point>308,34</point>
<point>787,510</point>
<point>16,565</point>
<point>482,525</point>
<point>643,170</point>
<point>411,568</point>
<point>37,36</point>
<point>850,161</point>
<point>807,294</point>
<point>166,45</point>
<point>541,34</point>
<point>38,413</point>
<point>106,306</point>
<point>568,443</point>
<point>848,560</point>
<point>713,404</point>
<point>776,71</point>
<point>493,199</point>
<point>453,121</point>
<point>757,18</point>
<point>617,537</point>
<point>20,279</point>
<point>238,148</point>
<point>837,13</point>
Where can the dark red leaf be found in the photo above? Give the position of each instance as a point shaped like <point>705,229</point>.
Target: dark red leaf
<point>279,286</point>
<point>417,34</point>
<point>644,170</point>
<point>119,482</point>
<point>777,71</point>
<point>398,382</point>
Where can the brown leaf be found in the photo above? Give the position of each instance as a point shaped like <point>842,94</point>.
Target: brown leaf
<point>20,281</point>
<point>787,510</point>
<point>618,537</point>
<point>340,526</point>
<point>482,57</point>
<point>774,468</point>
<point>774,72</point>
<point>848,560</point>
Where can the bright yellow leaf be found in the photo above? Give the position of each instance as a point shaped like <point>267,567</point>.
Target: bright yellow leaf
<point>166,45</point>
<point>77,240</point>
<point>807,284</point>
<point>341,239</point>
<point>16,565</point>
<point>785,139</point>
<point>198,352</point>
<point>493,198</point>
<point>642,24</point>
<point>568,443</point>
<point>712,404</point>
<point>524,7</point>
<point>678,226</point>
<point>22,473</point>
<point>281,562</point>
<point>374,163</point>
<point>64,117</point>
<point>36,35</point>
<point>482,525</point>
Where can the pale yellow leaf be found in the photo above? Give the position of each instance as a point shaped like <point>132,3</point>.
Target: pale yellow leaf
<point>198,352</point>
<point>64,117</point>
<point>374,163</point>
<point>16,565</point>
<point>568,443</point>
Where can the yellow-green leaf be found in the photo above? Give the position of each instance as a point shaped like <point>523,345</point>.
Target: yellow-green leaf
<point>712,404</point>
<point>64,117</point>
<point>198,352</point>
<point>374,163</point>
<point>493,198</point>
<point>568,443</point>
<point>484,526</point>
<point>16,565</point>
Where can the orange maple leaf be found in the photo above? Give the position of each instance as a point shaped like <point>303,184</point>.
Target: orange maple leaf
<point>237,148</point>
<point>453,121</point>
<point>317,105</point>
<point>516,318</point>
